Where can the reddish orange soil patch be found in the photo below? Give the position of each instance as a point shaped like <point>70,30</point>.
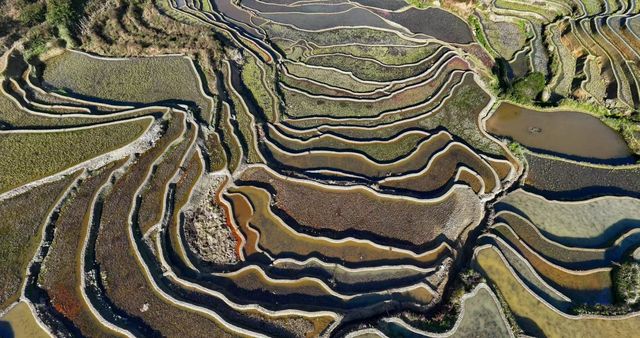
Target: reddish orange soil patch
<point>227,216</point>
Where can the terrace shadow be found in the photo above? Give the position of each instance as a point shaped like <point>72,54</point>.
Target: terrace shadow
<point>6,331</point>
<point>431,193</point>
<point>265,261</point>
<point>534,288</point>
<point>242,295</point>
<point>210,302</point>
<point>607,238</point>
<point>529,326</point>
<point>354,265</point>
<point>16,65</point>
<point>359,234</point>
<point>96,292</point>
<point>591,297</point>
<point>611,252</point>
<point>171,103</point>
<point>31,96</point>
<point>583,193</point>
<point>344,287</point>
<point>631,159</point>
<point>557,179</point>
<point>519,66</point>
<point>613,232</point>
<point>282,168</point>
<point>229,288</point>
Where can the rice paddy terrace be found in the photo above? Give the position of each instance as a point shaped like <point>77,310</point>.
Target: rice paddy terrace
<point>351,168</point>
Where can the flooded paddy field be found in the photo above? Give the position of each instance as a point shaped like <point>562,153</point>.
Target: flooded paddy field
<point>19,321</point>
<point>434,22</point>
<point>573,134</point>
<point>283,168</point>
<point>550,176</point>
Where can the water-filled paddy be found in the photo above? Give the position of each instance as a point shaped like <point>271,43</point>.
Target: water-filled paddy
<point>376,179</point>
<point>391,5</point>
<point>280,240</point>
<point>568,180</point>
<point>360,212</point>
<point>355,17</point>
<point>519,66</point>
<point>434,22</point>
<point>264,7</point>
<point>589,223</point>
<point>20,322</point>
<point>570,133</point>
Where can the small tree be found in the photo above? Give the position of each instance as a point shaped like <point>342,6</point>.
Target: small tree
<point>528,88</point>
<point>7,25</point>
<point>60,12</point>
<point>32,14</point>
<point>626,279</point>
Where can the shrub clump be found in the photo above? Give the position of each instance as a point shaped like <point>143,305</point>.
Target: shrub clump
<point>601,310</point>
<point>420,3</point>
<point>528,88</point>
<point>32,12</point>
<point>626,286</point>
<point>626,279</point>
<point>474,22</point>
<point>36,41</point>
<point>60,12</point>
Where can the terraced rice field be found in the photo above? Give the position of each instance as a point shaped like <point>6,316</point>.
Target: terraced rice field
<point>360,168</point>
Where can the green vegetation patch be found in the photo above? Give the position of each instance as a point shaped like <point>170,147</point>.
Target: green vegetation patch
<point>302,105</point>
<point>252,77</point>
<point>32,13</point>
<point>337,36</point>
<point>528,88</point>
<point>331,77</point>
<point>29,156</point>
<point>420,3</point>
<point>505,37</point>
<point>390,55</point>
<point>21,221</point>
<point>138,80</point>
<point>61,12</point>
<point>626,281</point>
<point>541,10</point>
<point>478,31</point>
<point>369,70</point>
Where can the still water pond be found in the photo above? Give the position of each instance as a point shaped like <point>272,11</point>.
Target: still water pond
<point>569,133</point>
